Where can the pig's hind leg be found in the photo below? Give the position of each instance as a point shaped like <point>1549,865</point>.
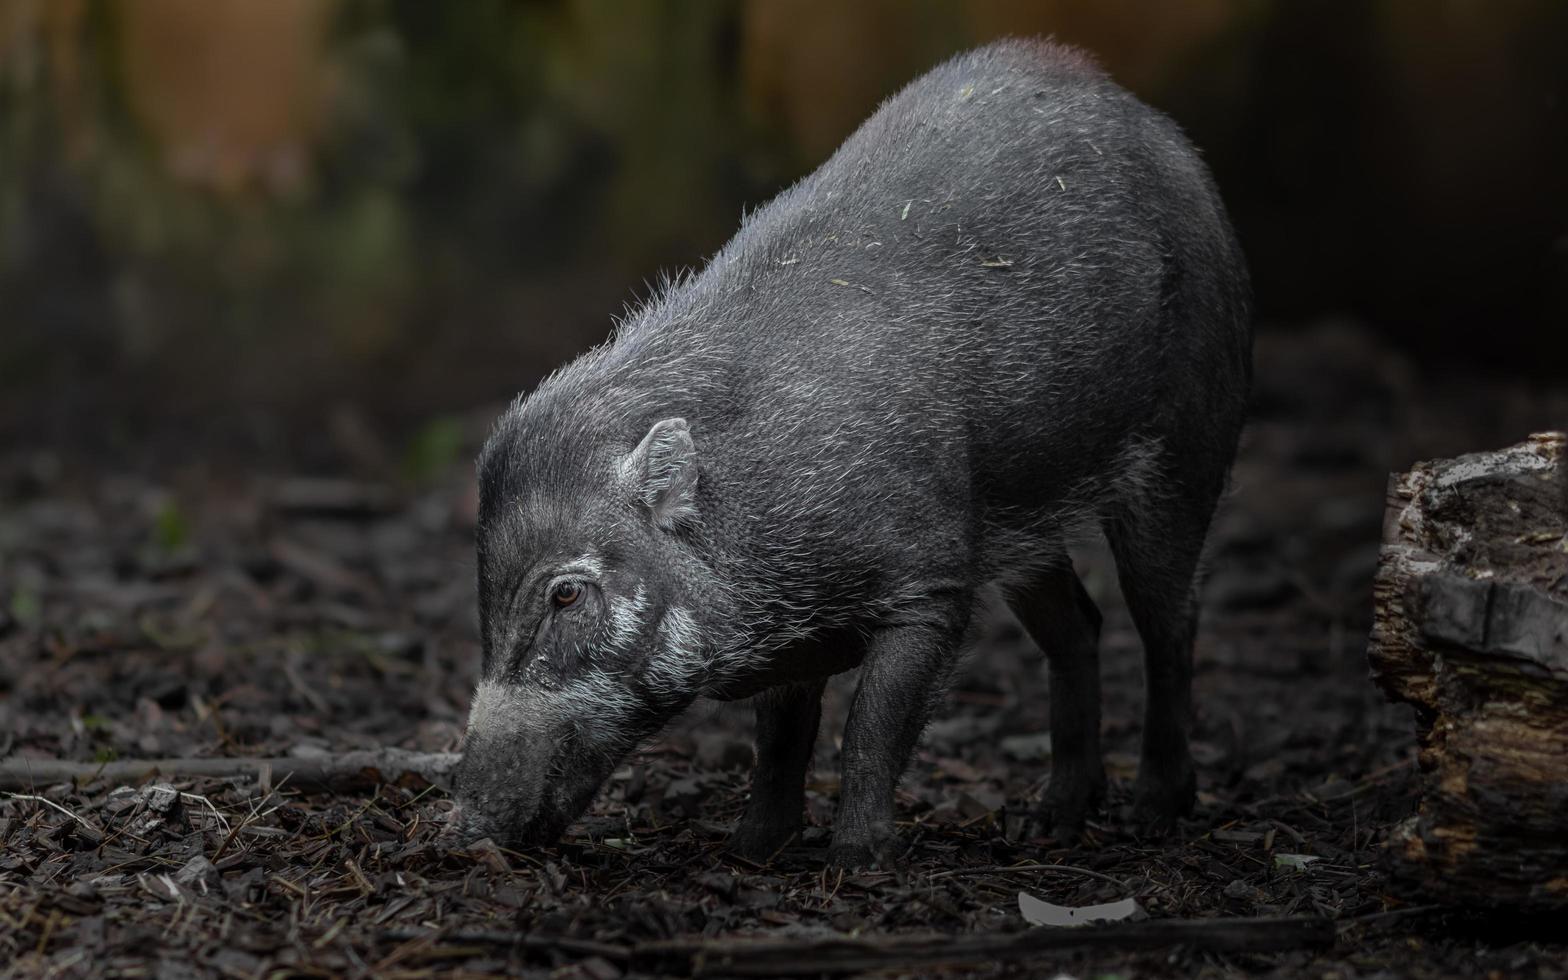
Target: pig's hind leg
<point>1157,540</point>
<point>1065,623</point>
<point>787,720</point>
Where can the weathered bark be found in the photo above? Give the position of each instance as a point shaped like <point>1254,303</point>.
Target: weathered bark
<point>1471,627</point>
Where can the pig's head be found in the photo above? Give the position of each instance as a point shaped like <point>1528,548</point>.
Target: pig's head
<point>591,610</point>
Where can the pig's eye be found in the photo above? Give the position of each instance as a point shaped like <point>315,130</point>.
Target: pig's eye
<point>565,594</point>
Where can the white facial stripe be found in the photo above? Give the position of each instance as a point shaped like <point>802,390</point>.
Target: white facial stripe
<point>682,630</point>
<point>626,617</point>
<point>677,664</point>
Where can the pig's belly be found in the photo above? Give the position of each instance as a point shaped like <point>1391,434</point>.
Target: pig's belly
<point>802,660</point>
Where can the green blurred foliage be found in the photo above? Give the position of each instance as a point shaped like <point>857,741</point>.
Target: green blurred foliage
<point>436,448</point>
<point>26,606</point>
<point>170,530</point>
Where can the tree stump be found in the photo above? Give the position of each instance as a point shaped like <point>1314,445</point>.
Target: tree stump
<point>1471,627</point>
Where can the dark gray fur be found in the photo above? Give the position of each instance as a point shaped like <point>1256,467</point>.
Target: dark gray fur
<point>1009,307</point>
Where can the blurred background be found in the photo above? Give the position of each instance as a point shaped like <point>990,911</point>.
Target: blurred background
<point>319,228</point>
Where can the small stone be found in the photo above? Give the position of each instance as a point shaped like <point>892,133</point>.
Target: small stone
<point>121,798</point>
<point>159,797</point>
<point>199,875</point>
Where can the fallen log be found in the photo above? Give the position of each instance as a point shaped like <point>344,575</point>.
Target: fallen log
<point>1471,627</point>
<point>807,956</point>
<point>326,773</point>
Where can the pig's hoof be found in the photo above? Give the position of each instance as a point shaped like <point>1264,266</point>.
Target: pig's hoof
<point>760,842</point>
<point>1067,804</point>
<point>1159,803</point>
<point>862,855</point>
<point>1068,832</point>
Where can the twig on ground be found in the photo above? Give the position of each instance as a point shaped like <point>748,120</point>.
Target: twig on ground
<point>304,690</point>
<point>222,821</point>
<point>516,940</point>
<point>1345,925</point>
<point>1003,869</point>
<point>50,803</point>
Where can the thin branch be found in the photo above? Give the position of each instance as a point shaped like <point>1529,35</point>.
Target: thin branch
<point>197,797</point>
<point>1007,869</point>
<point>50,803</point>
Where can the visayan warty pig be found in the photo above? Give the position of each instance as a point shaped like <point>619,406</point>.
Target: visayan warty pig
<point>1010,307</point>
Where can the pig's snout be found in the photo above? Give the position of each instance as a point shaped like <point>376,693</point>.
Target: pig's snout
<point>499,785</point>
<point>500,792</point>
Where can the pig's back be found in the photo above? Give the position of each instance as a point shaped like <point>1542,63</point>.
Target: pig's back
<point>990,266</point>
<point>1008,295</point>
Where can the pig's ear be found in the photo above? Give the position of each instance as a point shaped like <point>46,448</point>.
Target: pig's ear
<point>662,471</point>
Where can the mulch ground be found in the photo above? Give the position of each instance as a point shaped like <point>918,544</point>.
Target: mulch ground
<point>204,612</point>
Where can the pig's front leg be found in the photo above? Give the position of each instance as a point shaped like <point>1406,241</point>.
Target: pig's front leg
<point>787,719</point>
<point>905,670</point>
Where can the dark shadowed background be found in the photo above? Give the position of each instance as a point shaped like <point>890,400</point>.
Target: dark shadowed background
<point>301,226</point>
